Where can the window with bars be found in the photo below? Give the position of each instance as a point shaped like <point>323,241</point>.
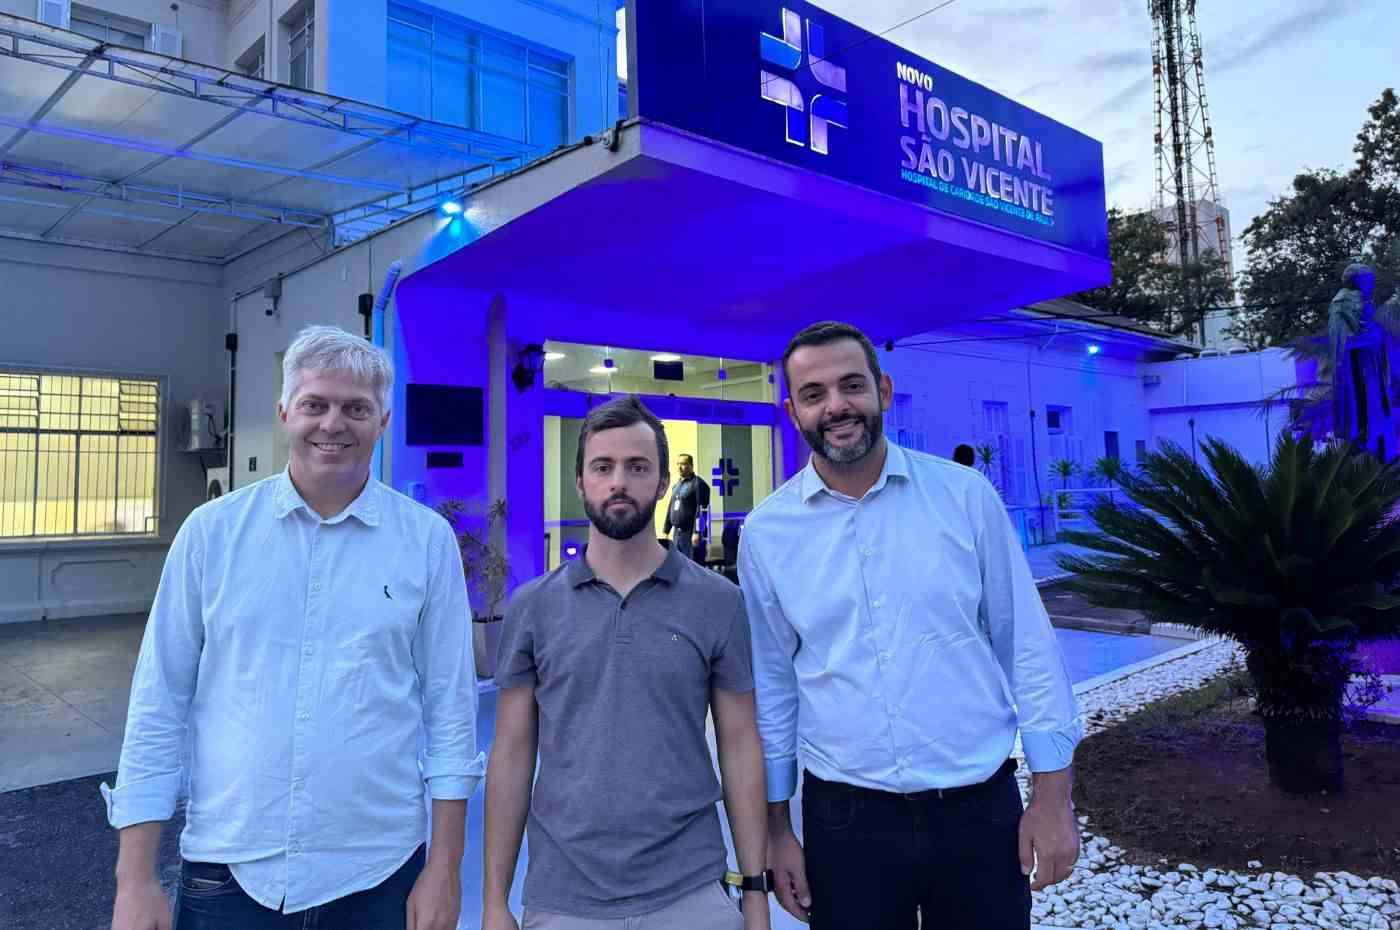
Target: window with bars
<point>78,455</point>
<point>301,48</point>
<point>106,27</point>
<point>447,70</point>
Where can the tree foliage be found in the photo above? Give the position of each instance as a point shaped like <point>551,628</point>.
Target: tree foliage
<point>1148,285</point>
<point>1300,245</point>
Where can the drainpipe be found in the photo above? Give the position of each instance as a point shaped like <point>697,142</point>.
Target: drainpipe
<point>231,344</point>
<point>391,278</point>
<point>1192,423</point>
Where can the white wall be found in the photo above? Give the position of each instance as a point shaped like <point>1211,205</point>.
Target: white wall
<point>950,383</point>
<point>1222,396</point>
<point>108,312</point>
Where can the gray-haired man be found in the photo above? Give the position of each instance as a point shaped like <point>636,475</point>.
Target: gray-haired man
<point>307,629</point>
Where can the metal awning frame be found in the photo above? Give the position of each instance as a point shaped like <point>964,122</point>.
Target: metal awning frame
<point>483,154</point>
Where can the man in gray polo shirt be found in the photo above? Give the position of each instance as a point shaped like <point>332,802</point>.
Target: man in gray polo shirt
<point>607,666</point>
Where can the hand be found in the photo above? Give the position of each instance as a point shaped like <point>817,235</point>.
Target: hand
<point>789,867</point>
<point>695,540</point>
<point>498,918</point>
<point>755,907</point>
<point>141,905</point>
<point>1049,842</point>
<point>436,900</point>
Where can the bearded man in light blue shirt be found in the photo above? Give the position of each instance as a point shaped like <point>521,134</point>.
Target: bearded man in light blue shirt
<point>310,632</point>
<point>900,645</point>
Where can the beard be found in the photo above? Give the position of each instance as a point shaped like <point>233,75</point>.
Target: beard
<point>620,528</point>
<point>866,443</point>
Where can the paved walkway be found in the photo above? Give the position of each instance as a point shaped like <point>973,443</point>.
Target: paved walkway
<point>1042,559</point>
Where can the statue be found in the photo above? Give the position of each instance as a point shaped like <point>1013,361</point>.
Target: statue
<point>1360,348</point>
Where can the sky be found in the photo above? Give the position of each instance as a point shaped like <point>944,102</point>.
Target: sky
<point>1287,81</point>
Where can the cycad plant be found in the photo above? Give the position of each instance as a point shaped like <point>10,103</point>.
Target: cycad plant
<point>1110,470</point>
<point>1064,469</point>
<point>1296,561</point>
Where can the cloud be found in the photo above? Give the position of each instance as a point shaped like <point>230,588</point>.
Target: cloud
<point>1307,21</point>
<point>1124,59</point>
<point>1135,92</point>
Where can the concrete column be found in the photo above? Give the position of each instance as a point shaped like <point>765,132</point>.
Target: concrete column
<point>515,463</point>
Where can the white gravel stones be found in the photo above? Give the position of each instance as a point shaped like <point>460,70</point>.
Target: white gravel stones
<point>1106,894</point>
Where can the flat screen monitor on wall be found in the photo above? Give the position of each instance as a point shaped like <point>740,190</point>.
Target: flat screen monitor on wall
<point>445,415</point>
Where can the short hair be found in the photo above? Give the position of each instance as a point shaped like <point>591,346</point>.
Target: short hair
<point>965,455</point>
<point>825,333</point>
<point>615,414</point>
<point>330,348</point>
<point>687,456</point>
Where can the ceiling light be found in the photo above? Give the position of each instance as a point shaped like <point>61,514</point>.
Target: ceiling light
<point>600,370</point>
<point>666,357</point>
<point>553,356</point>
<point>451,207</point>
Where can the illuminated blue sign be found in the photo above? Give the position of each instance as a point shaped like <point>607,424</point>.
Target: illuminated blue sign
<point>776,77</point>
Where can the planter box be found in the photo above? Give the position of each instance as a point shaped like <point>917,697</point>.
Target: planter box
<point>486,641</point>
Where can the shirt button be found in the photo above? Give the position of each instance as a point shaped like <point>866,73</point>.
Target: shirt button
<point>876,604</point>
<point>304,715</point>
<point>308,650</point>
<point>298,784</point>
<point>884,657</point>
<point>293,850</point>
<point>867,552</point>
<point>315,586</point>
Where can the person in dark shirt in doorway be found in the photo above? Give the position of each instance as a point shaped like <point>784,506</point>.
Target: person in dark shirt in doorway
<point>689,499</point>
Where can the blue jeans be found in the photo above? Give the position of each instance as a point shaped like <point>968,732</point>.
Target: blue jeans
<point>208,898</point>
<point>683,542</point>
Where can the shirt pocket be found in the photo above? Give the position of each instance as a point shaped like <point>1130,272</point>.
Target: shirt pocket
<point>372,642</point>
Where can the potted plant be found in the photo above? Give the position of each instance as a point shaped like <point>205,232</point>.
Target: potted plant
<point>487,569</point>
<point>1297,561</point>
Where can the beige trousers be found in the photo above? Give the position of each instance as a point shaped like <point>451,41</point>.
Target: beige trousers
<point>708,907</point>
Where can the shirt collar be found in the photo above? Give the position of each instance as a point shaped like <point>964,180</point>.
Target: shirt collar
<point>581,573</point>
<point>364,508</point>
<point>896,466</point>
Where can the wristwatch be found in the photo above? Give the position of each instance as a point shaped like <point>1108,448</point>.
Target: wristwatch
<point>762,882</point>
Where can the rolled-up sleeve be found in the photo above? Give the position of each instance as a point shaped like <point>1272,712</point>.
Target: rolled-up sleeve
<point>151,772</point>
<point>443,658</point>
<point>1024,640</point>
<point>775,643</point>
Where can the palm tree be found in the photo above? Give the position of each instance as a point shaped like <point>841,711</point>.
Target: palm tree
<point>1110,470</point>
<point>1064,469</point>
<point>1296,561</point>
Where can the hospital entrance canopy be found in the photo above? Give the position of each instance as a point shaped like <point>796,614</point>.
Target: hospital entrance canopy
<point>117,147</point>
<point>782,166</point>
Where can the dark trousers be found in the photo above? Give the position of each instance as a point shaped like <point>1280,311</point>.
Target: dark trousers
<point>209,898</point>
<point>875,859</point>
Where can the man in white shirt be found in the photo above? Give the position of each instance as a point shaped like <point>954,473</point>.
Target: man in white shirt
<point>310,632</point>
<point>903,676</point>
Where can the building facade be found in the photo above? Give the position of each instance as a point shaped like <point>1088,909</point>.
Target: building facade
<point>603,260</point>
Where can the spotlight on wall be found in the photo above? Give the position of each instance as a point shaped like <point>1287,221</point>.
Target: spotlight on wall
<point>529,362</point>
<point>1094,348</point>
